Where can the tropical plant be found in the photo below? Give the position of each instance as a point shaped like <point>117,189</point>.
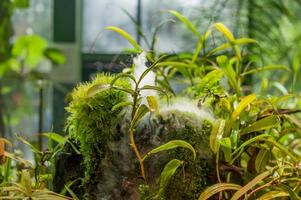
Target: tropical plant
<point>250,137</point>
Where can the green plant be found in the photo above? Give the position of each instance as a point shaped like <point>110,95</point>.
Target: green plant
<point>25,190</point>
<point>139,110</point>
<point>250,138</point>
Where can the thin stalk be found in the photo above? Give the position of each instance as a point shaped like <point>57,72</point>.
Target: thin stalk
<point>132,138</point>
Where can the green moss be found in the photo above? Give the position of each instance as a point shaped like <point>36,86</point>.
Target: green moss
<point>188,182</point>
<point>195,176</point>
<point>91,120</point>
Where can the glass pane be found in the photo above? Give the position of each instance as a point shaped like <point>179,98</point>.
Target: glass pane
<point>97,14</point>
<point>175,37</point>
<point>37,19</point>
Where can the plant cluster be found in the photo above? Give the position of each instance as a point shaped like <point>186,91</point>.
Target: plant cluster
<point>253,137</point>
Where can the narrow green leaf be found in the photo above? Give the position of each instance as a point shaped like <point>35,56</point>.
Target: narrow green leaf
<point>177,64</point>
<point>55,137</point>
<point>216,188</point>
<point>262,159</point>
<point>72,194</point>
<point>97,88</point>
<point>142,110</point>
<point>226,147</point>
<point>152,103</point>
<point>253,139</point>
<point>33,148</point>
<point>262,124</point>
<point>156,88</point>
<point>266,68</point>
<point>122,104</point>
<point>103,87</point>
<point>292,194</point>
<point>280,87</point>
<point>211,78</point>
<point>242,191</point>
<point>127,36</point>
<point>171,145</point>
<point>200,45</point>
<point>123,75</point>
<point>295,120</point>
<point>273,195</point>
<point>219,48</point>
<point>189,25</point>
<point>155,64</point>
<point>167,173</point>
<point>229,72</point>
<point>216,134</point>
<point>241,41</point>
<point>240,107</point>
<point>225,31</point>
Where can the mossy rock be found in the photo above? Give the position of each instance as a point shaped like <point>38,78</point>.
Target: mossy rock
<point>188,182</point>
<point>109,168</point>
<point>93,123</point>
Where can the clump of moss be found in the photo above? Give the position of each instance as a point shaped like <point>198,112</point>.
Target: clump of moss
<point>195,175</point>
<point>92,121</point>
<point>173,124</point>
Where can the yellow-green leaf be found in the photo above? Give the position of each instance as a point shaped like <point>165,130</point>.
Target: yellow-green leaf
<point>241,41</point>
<point>225,31</point>
<point>226,147</point>
<point>216,188</point>
<point>242,191</point>
<point>168,171</point>
<point>127,36</point>
<point>55,137</point>
<point>122,104</point>
<point>216,134</point>
<point>171,145</point>
<point>152,103</point>
<point>262,159</point>
<point>262,124</point>
<point>189,25</point>
<point>240,107</point>
<point>142,110</point>
<point>273,195</point>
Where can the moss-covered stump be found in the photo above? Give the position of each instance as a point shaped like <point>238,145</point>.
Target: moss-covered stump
<point>189,181</point>
<point>108,167</point>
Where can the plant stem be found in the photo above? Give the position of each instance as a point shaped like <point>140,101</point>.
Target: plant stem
<point>137,153</point>
<point>132,138</point>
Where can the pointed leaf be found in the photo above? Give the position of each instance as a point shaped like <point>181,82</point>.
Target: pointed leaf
<point>226,147</point>
<point>142,110</point>
<point>171,145</point>
<point>262,159</point>
<point>127,36</point>
<point>122,104</point>
<point>167,173</point>
<point>273,195</point>
<point>55,137</point>
<point>152,103</point>
<point>189,25</point>
<point>262,124</point>
<point>216,188</point>
<point>266,68</point>
<point>241,192</point>
<point>240,107</point>
<point>225,31</point>
<point>200,45</point>
<point>241,41</point>
<point>216,134</point>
